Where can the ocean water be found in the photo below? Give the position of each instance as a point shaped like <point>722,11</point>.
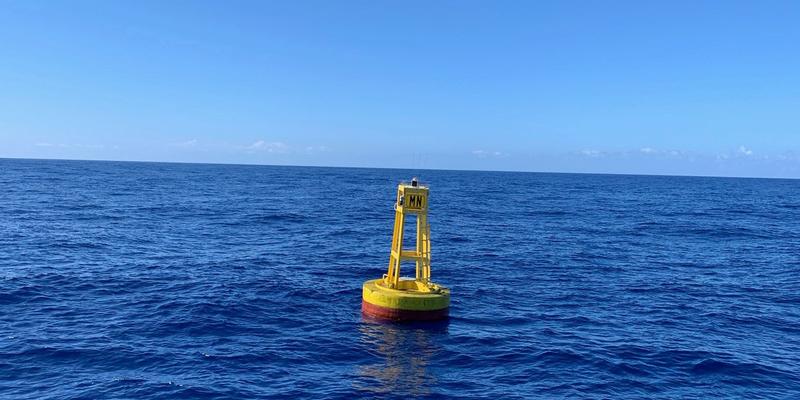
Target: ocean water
<point>170,281</point>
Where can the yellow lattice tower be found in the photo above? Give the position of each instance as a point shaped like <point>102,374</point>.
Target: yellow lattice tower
<point>412,199</point>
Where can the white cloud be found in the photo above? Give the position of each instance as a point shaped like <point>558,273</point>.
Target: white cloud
<point>591,153</point>
<point>268,147</point>
<point>744,151</point>
<point>77,146</point>
<point>649,151</point>
<point>788,155</point>
<point>278,147</point>
<point>485,153</point>
<point>188,143</point>
<point>315,149</point>
<point>740,153</point>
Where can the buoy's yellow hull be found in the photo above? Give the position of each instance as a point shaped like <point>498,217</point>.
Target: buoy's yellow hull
<point>404,305</point>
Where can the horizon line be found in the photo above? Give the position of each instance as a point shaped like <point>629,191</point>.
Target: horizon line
<point>399,168</point>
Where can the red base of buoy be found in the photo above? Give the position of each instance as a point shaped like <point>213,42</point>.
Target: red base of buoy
<point>395,314</point>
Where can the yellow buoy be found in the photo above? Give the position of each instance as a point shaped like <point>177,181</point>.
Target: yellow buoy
<point>406,299</point>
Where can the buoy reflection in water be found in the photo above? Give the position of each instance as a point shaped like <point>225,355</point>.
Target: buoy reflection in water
<point>402,353</point>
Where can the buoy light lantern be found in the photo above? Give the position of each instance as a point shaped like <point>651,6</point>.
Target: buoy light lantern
<point>404,299</point>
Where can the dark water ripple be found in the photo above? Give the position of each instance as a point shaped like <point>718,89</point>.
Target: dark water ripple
<point>166,281</point>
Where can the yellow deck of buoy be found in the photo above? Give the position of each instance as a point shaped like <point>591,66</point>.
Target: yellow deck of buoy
<point>408,299</point>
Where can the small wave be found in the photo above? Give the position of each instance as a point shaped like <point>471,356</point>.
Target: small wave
<point>737,232</point>
<point>547,213</point>
<point>744,371</point>
<point>559,357</point>
<point>281,217</point>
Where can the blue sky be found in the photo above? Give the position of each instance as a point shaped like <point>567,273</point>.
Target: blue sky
<point>697,88</point>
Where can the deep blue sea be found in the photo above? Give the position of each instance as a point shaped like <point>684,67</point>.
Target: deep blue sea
<point>192,281</point>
